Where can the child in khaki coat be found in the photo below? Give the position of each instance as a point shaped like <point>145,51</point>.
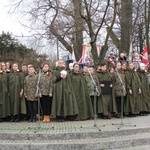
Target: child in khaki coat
<point>30,83</point>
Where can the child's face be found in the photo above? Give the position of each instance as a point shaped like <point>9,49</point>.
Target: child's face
<point>45,68</point>
<point>31,71</point>
<point>15,67</point>
<point>85,69</point>
<point>24,68</point>
<point>124,66</point>
<point>76,68</point>
<point>61,63</point>
<point>118,66</point>
<point>7,65</point>
<point>131,66</point>
<point>111,70</point>
<point>103,68</point>
<point>92,70</point>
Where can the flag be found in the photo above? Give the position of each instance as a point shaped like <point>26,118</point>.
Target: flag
<point>145,56</point>
<point>98,49</point>
<point>83,53</point>
<point>86,53</point>
<point>112,63</point>
<point>130,52</point>
<point>68,57</point>
<point>73,56</point>
<point>82,59</point>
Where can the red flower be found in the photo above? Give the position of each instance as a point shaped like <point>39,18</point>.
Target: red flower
<point>1,72</point>
<point>17,72</point>
<point>122,72</point>
<point>63,67</point>
<point>48,74</point>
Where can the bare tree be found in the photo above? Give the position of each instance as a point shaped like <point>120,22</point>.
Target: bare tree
<point>67,20</point>
<point>147,22</point>
<point>94,27</point>
<point>133,21</point>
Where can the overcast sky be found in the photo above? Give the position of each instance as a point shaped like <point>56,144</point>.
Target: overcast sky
<point>9,22</point>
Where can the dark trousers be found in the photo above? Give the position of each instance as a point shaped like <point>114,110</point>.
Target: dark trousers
<point>96,105</point>
<point>46,104</point>
<point>27,109</point>
<point>32,107</point>
<point>118,103</point>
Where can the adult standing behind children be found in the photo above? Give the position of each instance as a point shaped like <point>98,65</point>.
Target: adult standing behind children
<point>82,94</point>
<point>64,101</point>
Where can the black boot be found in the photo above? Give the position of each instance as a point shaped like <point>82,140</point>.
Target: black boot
<point>106,117</point>
<point>58,119</point>
<point>17,118</point>
<point>34,119</point>
<point>62,119</point>
<point>13,119</point>
<point>118,115</point>
<point>1,120</point>
<point>30,120</point>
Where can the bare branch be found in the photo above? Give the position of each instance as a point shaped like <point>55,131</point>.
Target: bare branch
<point>108,3</point>
<point>113,21</point>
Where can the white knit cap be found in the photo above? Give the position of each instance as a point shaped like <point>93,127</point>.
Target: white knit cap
<point>64,72</point>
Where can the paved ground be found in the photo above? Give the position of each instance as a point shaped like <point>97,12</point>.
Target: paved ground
<point>77,126</point>
<point>99,134</point>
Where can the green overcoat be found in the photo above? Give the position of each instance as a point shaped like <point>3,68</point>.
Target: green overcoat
<point>15,84</point>
<point>64,100</point>
<point>133,83</point>
<point>144,102</point>
<point>23,103</point>
<point>4,98</point>
<point>82,96</point>
<point>104,103</point>
<point>113,96</point>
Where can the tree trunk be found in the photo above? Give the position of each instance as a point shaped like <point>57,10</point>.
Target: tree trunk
<point>78,36</point>
<point>126,24</point>
<point>147,21</point>
<point>115,39</point>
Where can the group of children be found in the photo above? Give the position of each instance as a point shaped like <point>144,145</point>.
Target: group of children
<point>73,94</point>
